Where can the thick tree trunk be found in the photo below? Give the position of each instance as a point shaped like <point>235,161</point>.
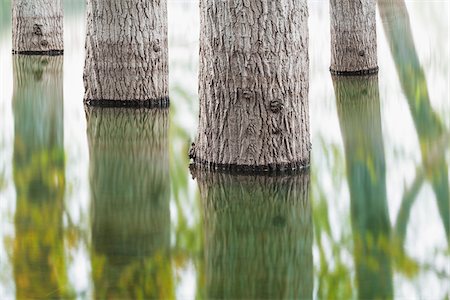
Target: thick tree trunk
<point>359,116</point>
<point>38,253</point>
<point>38,27</point>
<point>130,184</point>
<point>126,53</point>
<point>353,37</point>
<point>254,72</point>
<point>258,236</point>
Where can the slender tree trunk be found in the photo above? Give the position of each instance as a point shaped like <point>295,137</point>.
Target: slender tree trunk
<point>358,107</point>
<point>258,236</point>
<point>126,53</point>
<point>38,253</point>
<point>353,37</point>
<point>433,137</point>
<point>254,72</point>
<point>130,188</point>
<point>38,27</point>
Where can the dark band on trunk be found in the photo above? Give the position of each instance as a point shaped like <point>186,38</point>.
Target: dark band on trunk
<point>150,103</point>
<point>269,170</point>
<point>45,53</point>
<point>355,73</point>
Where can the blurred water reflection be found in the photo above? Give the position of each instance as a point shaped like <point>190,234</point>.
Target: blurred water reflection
<point>358,106</point>
<point>130,194</point>
<point>98,214</point>
<point>38,255</point>
<point>433,137</point>
<point>258,236</point>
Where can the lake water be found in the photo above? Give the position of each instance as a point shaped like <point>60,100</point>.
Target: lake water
<point>102,204</point>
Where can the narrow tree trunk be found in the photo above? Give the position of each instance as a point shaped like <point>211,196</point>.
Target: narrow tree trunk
<point>258,236</point>
<point>38,253</point>
<point>38,27</point>
<point>130,190</point>
<point>353,37</point>
<point>253,85</point>
<point>358,107</point>
<point>126,53</point>
<point>433,137</point>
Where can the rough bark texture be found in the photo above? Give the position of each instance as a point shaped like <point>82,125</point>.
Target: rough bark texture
<point>358,106</point>
<point>38,252</point>
<point>38,27</point>
<point>126,53</point>
<point>353,37</point>
<point>254,72</point>
<point>258,236</point>
<point>130,190</point>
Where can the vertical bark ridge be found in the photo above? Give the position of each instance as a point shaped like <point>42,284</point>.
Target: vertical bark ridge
<point>258,236</point>
<point>126,54</point>
<point>254,72</point>
<point>353,37</point>
<point>37,27</point>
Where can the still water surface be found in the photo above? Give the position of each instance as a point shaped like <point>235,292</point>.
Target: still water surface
<point>101,203</point>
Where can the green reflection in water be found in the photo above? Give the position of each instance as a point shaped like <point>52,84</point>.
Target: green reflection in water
<point>130,194</point>
<point>358,107</point>
<point>258,236</point>
<point>433,137</point>
<point>38,252</point>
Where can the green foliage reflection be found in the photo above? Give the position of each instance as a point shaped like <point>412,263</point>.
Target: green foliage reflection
<point>38,254</point>
<point>258,236</point>
<point>130,194</point>
<point>433,137</point>
<point>358,108</point>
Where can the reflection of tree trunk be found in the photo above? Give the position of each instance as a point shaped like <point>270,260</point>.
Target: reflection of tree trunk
<point>429,128</point>
<point>353,37</point>
<point>39,266</point>
<point>130,191</point>
<point>258,236</point>
<point>37,26</point>
<point>359,115</point>
<point>126,53</point>
<point>253,85</point>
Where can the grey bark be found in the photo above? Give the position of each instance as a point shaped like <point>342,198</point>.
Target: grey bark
<point>353,37</point>
<point>126,53</point>
<point>258,236</point>
<point>253,88</point>
<point>37,27</point>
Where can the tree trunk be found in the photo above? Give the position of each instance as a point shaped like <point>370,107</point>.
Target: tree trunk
<point>130,190</point>
<point>433,137</point>
<point>353,37</point>
<point>126,53</point>
<point>254,69</point>
<point>258,236</point>
<point>358,107</point>
<point>38,253</point>
<point>38,27</point>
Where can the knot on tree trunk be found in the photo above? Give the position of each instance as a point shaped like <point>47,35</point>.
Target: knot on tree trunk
<point>37,29</point>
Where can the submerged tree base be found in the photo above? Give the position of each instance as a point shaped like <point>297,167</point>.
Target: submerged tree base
<point>371,71</point>
<point>150,103</point>
<point>270,169</point>
<point>45,53</point>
